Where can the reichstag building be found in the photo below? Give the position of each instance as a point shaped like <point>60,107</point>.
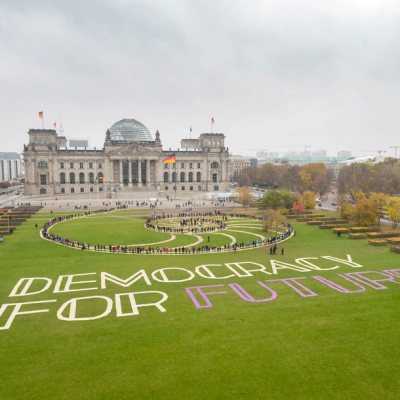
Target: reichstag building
<point>130,161</point>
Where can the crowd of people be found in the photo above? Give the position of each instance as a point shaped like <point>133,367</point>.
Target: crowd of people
<point>189,223</point>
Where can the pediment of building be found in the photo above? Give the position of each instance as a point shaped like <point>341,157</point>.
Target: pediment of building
<point>133,149</point>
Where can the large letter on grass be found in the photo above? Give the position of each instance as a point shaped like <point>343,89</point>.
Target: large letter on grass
<point>359,276</point>
<point>164,277</point>
<point>123,282</point>
<point>349,261</point>
<point>295,285</point>
<point>245,270</point>
<point>308,264</point>
<point>72,309</point>
<point>246,296</point>
<point>335,286</point>
<point>210,275</point>
<point>16,311</point>
<point>69,283</point>
<point>135,305</point>
<point>282,265</point>
<point>202,294</point>
<point>24,290</point>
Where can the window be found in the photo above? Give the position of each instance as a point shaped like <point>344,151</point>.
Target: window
<point>42,164</point>
<point>62,190</point>
<point>214,177</point>
<point>81,165</point>
<point>183,187</point>
<point>190,165</point>
<point>165,165</point>
<point>90,165</point>
<point>62,165</point>
<point>190,176</point>
<point>198,187</point>
<point>216,188</point>
<point>100,189</point>
<point>82,190</point>
<point>91,189</point>
<point>198,165</point>
<point>100,177</point>
<point>91,177</point>
<point>182,165</point>
<point>41,140</point>
<point>47,140</point>
<point>43,179</point>
<point>165,177</point>
<point>72,178</point>
<point>62,178</point>
<point>198,177</point>
<point>214,165</point>
<point>100,166</point>
<point>42,191</point>
<point>191,188</point>
<point>72,190</point>
<point>36,140</point>
<point>173,166</point>
<point>174,177</point>
<point>71,165</point>
<point>81,178</point>
<point>182,177</point>
<point>166,187</point>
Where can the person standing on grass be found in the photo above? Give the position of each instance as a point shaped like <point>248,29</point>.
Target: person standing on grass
<point>282,253</point>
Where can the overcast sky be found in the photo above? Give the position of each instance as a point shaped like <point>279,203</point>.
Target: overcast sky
<point>271,73</point>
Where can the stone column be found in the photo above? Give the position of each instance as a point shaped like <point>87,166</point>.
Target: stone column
<point>148,172</point>
<point>139,172</point>
<point>121,181</point>
<point>222,163</point>
<point>130,172</point>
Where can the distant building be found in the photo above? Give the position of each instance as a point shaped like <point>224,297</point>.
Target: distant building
<point>10,166</point>
<point>238,163</point>
<point>319,153</point>
<point>344,154</point>
<point>267,154</point>
<point>78,143</point>
<point>305,154</point>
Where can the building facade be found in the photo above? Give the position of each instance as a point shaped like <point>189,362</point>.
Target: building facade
<point>130,161</point>
<point>11,167</point>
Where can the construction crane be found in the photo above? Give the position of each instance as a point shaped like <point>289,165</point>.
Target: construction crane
<point>305,148</point>
<point>395,150</point>
<point>375,151</point>
<point>262,151</point>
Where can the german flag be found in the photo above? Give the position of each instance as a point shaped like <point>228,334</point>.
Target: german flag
<point>170,159</point>
<point>40,114</point>
<point>101,177</point>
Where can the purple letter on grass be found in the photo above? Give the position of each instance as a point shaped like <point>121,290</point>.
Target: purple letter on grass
<point>245,296</point>
<point>373,282</point>
<point>294,287</point>
<point>335,286</point>
<point>202,294</point>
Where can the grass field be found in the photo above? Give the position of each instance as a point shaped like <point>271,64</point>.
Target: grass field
<point>321,344</point>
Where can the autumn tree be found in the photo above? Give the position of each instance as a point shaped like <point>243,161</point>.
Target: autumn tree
<point>364,212</point>
<point>244,196</point>
<point>298,205</point>
<point>272,199</point>
<point>393,211</point>
<point>309,172</point>
<point>320,184</point>
<point>380,200</point>
<point>344,208</point>
<point>309,200</point>
<point>272,219</point>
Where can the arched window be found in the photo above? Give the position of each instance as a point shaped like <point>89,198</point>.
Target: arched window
<point>100,177</point>
<point>91,177</point>
<point>198,177</point>
<point>174,177</point>
<point>42,164</point>
<point>190,176</point>
<point>214,164</point>
<point>182,177</point>
<point>41,140</point>
<point>71,177</point>
<point>165,176</point>
<point>47,140</point>
<point>62,178</point>
<point>36,140</point>
<point>81,177</point>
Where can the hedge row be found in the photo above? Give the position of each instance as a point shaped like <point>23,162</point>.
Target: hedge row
<point>393,240</point>
<point>396,249</point>
<point>357,235</point>
<point>376,235</point>
<point>356,229</point>
<point>342,230</point>
<point>377,242</point>
<point>326,226</point>
<point>315,222</point>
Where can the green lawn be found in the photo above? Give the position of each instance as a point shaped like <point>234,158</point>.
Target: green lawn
<point>331,345</point>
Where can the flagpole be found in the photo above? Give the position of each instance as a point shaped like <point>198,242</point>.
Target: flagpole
<point>211,125</point>
<point>176,176</point>
<point>42,121</point>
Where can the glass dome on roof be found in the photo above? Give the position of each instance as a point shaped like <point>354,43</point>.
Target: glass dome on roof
<point>129,130</point>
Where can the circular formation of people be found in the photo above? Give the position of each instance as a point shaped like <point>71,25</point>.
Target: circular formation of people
<point>233,227</point>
